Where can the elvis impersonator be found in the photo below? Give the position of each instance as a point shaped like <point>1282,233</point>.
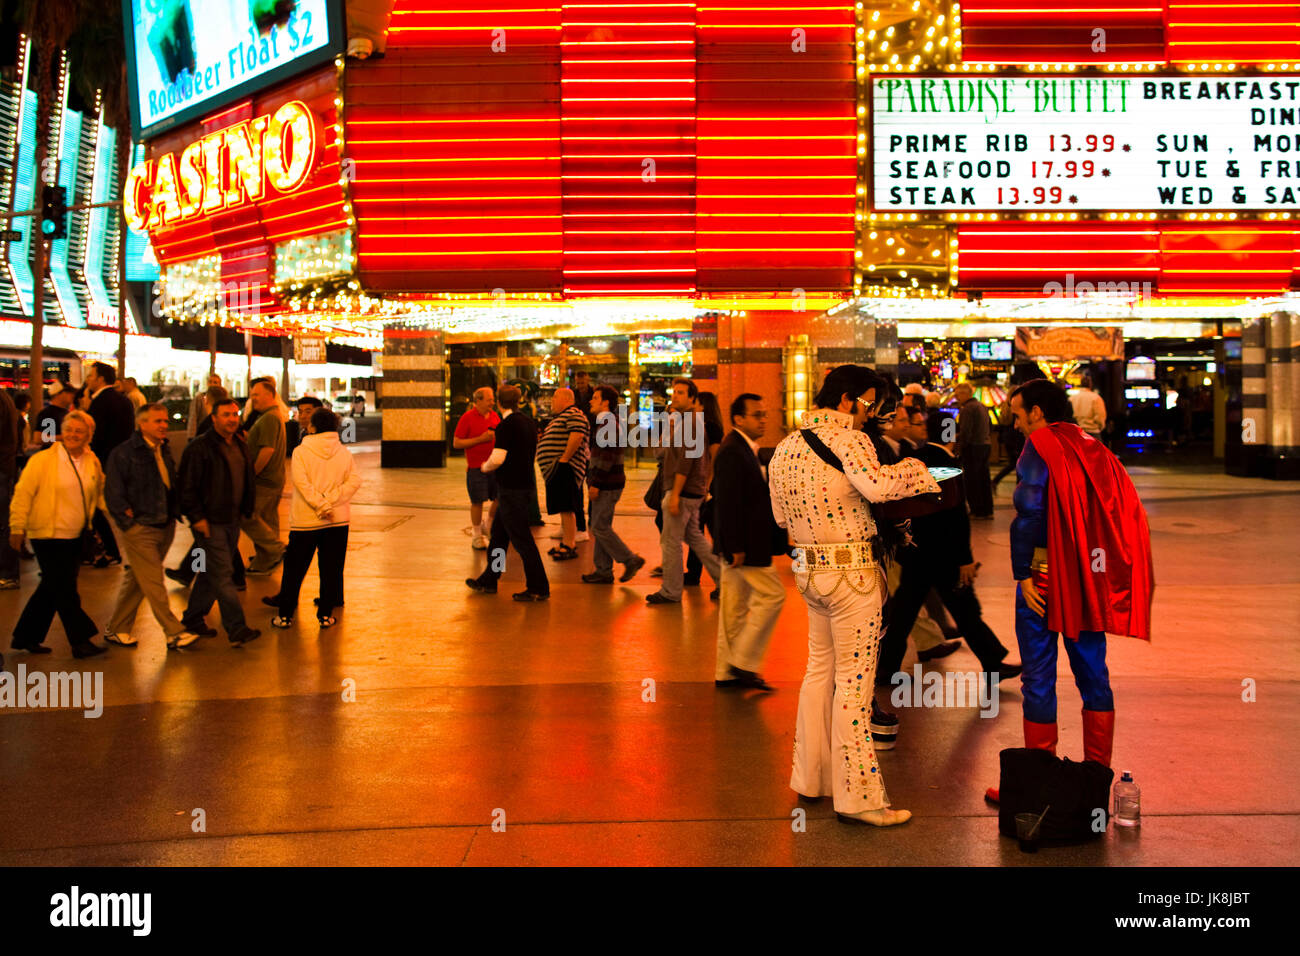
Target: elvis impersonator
<point>1081,556</point>
<point>822,478</point>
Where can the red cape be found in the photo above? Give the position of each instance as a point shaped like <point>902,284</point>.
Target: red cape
<point>1092,505</point>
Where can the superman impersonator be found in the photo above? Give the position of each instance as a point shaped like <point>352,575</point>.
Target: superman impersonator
<point>1081,555</point>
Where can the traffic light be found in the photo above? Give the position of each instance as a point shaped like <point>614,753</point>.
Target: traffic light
<point>54,215</point>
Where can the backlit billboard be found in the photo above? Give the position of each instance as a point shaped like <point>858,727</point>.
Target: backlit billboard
<point>186,58</point>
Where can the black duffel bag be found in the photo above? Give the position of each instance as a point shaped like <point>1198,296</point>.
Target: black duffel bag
<point>1033,779</point>
<point>654,495</point>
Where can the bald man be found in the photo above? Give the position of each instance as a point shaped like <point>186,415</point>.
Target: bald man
<point>562,454</point>
<point>476,433</point>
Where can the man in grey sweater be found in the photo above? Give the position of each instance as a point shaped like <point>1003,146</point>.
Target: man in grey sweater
<point>687,471</point>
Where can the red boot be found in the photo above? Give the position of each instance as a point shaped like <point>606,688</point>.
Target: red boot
<point>1098,735</point>
<point>1040,736</point>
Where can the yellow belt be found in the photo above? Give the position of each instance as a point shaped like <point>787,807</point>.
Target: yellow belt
<point>825,557</point>
<point>1039,561</point>
<point>823,566</point>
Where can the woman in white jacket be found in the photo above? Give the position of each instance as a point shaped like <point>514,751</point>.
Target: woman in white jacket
<point>52,504</point>
<point>324,481</point>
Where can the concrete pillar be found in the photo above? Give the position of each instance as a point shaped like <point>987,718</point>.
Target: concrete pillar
<point>869,340</point>
<point>1220,393</point>
<point>414,404</point>
<point>750,353</point>
<point>1270,399</point>
<point>885,346</point>
<point>749,360</point>
<point>1284,383</point>
<point>704,353</point>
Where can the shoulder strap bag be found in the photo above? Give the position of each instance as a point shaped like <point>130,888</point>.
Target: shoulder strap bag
<point>820,450</point>
<point>90,544</point>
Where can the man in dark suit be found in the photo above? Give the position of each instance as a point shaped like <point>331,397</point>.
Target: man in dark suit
<point>890,438</point>
<point>934,635</point>
<point>939,557</point>
<point>114,417</point>
<point>745,536</point>
<point>974,437</point>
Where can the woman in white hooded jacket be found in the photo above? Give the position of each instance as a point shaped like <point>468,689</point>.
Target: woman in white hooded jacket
<point>324,481</point>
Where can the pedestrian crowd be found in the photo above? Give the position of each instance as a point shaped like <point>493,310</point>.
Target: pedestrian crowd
<point>711,499</point>
<point>99,486</point>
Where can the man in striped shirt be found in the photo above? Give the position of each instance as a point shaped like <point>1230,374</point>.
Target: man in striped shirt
<point>562,457</point>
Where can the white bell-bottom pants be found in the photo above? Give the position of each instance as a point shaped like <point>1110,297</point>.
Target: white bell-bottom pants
<point>833,753</point>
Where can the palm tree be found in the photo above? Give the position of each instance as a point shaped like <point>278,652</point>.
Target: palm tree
<point>97,52</point>
<point>49,23</point>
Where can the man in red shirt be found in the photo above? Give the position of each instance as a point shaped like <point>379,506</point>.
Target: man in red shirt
<point>476,433</point>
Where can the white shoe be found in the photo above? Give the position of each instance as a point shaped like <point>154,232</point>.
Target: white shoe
<point>581,537</point>
<point>479,543</point>
<point>877,818</point>
<point>121,640</point>
<point>360,48</point>
<point>183,639</point>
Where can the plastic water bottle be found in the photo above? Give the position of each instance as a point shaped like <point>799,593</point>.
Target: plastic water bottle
<point>1128,802</point>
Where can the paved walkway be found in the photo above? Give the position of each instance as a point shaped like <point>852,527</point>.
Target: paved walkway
<point>472,708</point>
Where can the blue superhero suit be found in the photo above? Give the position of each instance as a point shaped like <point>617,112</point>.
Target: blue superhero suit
<point>1087,655</point>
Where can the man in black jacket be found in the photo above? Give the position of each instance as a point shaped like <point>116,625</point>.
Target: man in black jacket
<point>513,459</point>
<point>114,417</point>
<point>933,635</point>
<point>746,536</point>
<point>940,558</point>
<point>140,487</point>
<point>216,491</point>
<point>974,442</point>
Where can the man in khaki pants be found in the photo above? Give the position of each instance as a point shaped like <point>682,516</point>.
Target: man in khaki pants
<point>746,536</point>
<point>139,489</point>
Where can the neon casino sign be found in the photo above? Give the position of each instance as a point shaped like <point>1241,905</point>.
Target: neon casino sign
<point>223,170</point>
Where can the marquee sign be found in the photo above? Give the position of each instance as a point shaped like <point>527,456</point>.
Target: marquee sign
<point>1070,342</point>
<point>309,349</point>
<point>224,169</point>
<point>1076,143</point>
